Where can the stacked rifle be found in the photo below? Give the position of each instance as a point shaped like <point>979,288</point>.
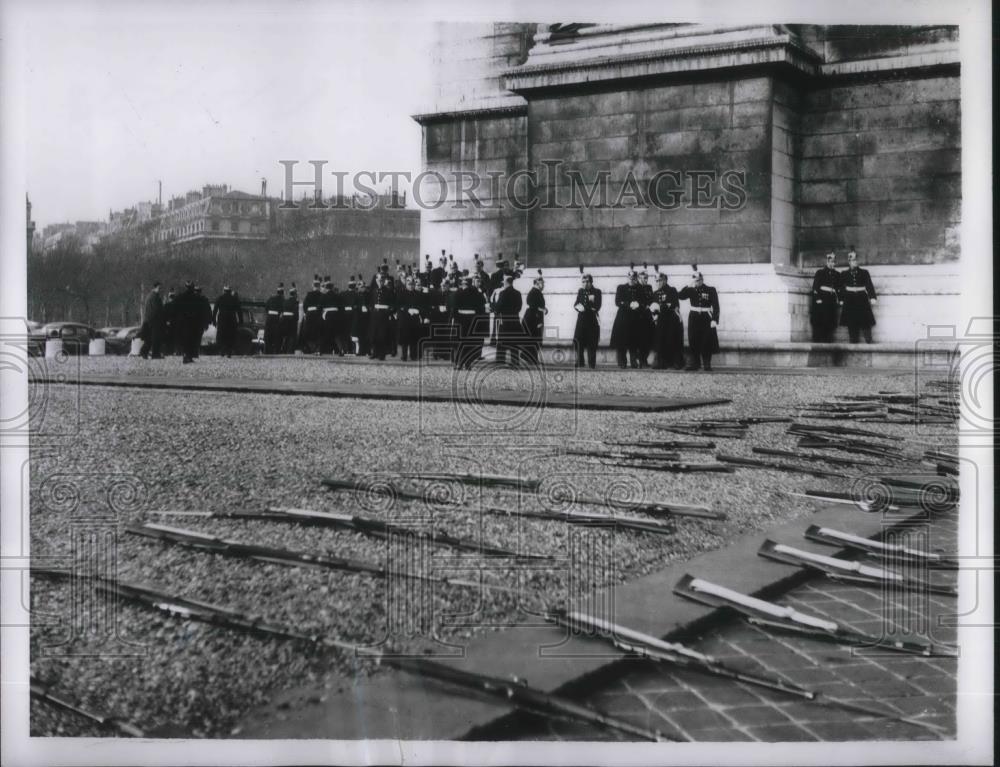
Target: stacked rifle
<point>649,460</point>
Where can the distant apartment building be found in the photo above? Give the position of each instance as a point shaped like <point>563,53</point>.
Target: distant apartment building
<point>216,212</point>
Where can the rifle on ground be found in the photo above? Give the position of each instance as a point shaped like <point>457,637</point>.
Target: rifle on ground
<point>878,548</point>
<point>840,431</point>
<point>376,528</point>
<point>42,693</point>
<point>769,615</point>
<point>847,570</point>
<point>692,444</point>
<point>617,455</point>
<point>271,555</point>
<point>812,457</point>
<point>514,693</point>
<point>579,518</point>
<point>831,496</point>
<point>485,480</point>
<point>634,642</point>
<point>777,466</point>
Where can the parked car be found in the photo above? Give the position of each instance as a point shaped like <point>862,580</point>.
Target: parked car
<point>121,341</point>
<point>76,337</point>
<point>109,331</point>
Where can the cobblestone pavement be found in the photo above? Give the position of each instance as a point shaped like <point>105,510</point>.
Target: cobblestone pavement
<point>696,707</point>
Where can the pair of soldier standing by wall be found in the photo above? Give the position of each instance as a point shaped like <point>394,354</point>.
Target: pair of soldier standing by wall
<point>851,291</point>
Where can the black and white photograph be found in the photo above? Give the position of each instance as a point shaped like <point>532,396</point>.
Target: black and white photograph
<point>434,383</point>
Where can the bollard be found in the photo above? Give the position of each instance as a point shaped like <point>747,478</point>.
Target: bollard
<point>96,348</point>
<point>136,347</point>
<point>53,347</point>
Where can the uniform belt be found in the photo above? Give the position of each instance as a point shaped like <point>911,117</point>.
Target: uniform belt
<point>311,308</point>
<point>442,308</point>
<point>271,311</point>
<point>701,308</point>
<point>857,290</point>
<point>288,314</point>
<point>348,309</point>
<point>466,311</point>
<point>380,306</point>
<point>827,288</point>
<point>328,310</point>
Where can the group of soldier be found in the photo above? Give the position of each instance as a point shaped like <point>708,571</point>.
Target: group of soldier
<point>177,324</point>
<point>452,314</point>
<point>851,291</point>
<point>442,311</point>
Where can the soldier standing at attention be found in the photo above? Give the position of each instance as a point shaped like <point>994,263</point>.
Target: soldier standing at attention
<point>355,311</point>
<point>151,331</point>
<point>467,301</point>
<point>703,338</point>
<point>824,300</point>
<point>227,317</point>
<point>312,321</point>
<point>534,319</point>
<point>668,347</point>
<point>383,307</point>
<point>329,304</point>
<point>858,295</point>
<point>204,317</point>
<point>170,345</point>
<point>290,321</point>
<point>625,331</point>
<point>409,309</point>
<point>439,273</point>
<point>508,310</point>
<point>274,306</point>
<point>587,332</point>
<point>647,325</point>
<point>481,325</point>
<point>189,319</point>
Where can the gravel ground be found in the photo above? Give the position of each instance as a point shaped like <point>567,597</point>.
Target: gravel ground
<point>141,451</point>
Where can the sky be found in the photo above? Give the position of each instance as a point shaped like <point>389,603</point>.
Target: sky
<point>119,97</point>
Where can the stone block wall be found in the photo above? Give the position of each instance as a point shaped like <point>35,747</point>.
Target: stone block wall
<point>881,169</point>
<point>712,126</point>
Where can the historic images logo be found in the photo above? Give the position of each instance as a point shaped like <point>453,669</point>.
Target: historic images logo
<point>551,186</point>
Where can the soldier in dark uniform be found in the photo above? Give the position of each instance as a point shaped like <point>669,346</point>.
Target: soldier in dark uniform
<point>646,322</point>
<point>383,306</point>
<point>426,277</point>
<point>290,321</point>
<point>189,322</point>
<point>227,316</point>
<point>437,320</point>
<point>274,306</point>
<point>824,301</point>
<point>858,295</point>
<point>533,321</point>
<point>481,325</point>
<point>312,320</point>
<point>410,309</point>
<point>668,345</point>
<point>703,338</point>
<point>587,332</point>
<point>439,273</point>
<point>466,306</point>
<point>204,316</point>
<point>353,318</point>
<point>329,303</point>
<point>151,331</point>
<point>625,331</point>
<point>507,307</point>
<point>170,345</point>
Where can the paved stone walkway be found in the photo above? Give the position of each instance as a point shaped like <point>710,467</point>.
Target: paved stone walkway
<point>696,707</point>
